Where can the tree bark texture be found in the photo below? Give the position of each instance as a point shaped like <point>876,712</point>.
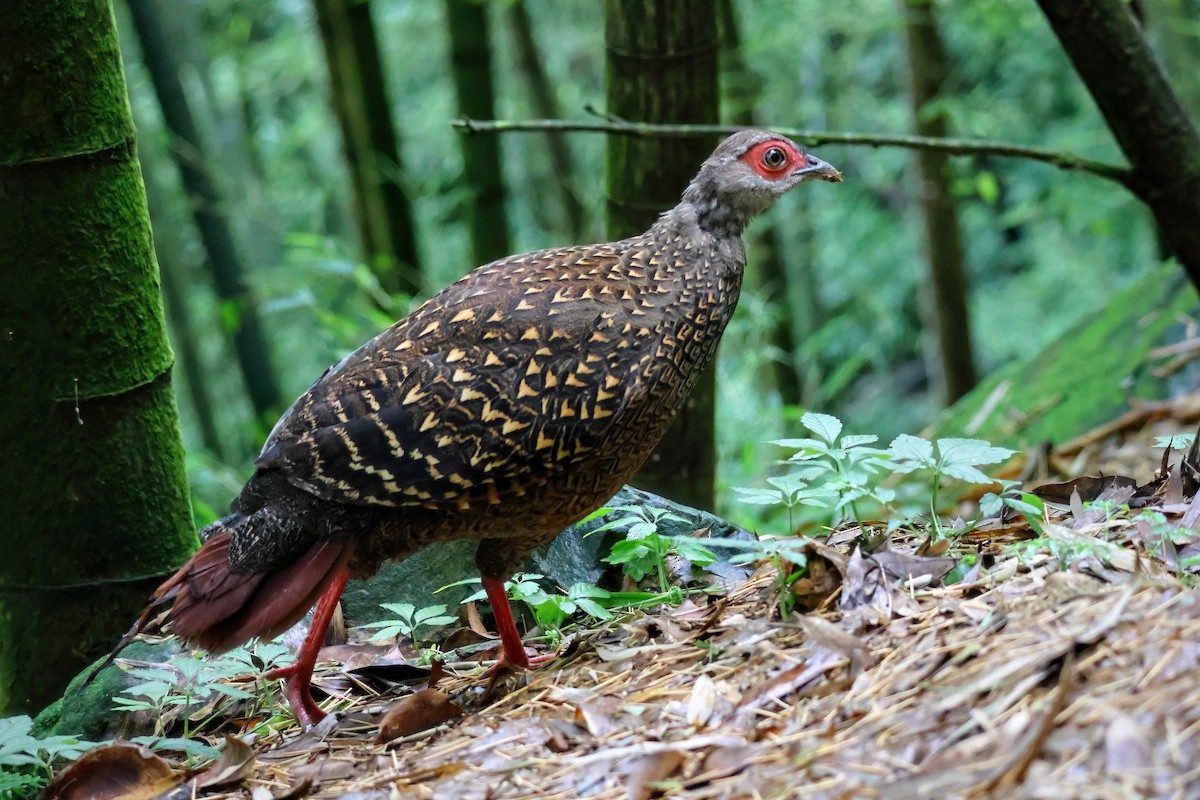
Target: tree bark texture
<point>93,493</point>
<point>1111,55</point>
<point>947,314</point>
<point>382,209</point>
<point>662,67</point>
<point>471,64</point>
<point>253,354</point>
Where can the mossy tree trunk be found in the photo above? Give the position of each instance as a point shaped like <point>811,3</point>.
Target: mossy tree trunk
<point>662,67</point>
<point>948,320</point>
<point>1108,50</point>
<point>94,493</point>
<point>471,64</point>
<point>239,304</point>
<point>356,83</point>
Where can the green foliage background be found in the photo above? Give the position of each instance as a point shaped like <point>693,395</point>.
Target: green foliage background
<point>1044,248</point>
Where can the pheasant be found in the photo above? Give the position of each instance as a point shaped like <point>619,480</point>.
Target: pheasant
<point>505,408</point>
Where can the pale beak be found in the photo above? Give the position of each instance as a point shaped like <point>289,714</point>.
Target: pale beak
<point>818,169</point>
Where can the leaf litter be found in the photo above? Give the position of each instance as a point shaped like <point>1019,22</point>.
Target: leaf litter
<point>1056,666</point>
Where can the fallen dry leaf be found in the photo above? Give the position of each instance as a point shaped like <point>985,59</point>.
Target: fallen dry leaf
<point>418,712</point>
<point>234,764</point>
<point>119,771</point>
<point>595,715</point>
<point>834,637</point>
<point>701,701</point>
<point>648,770</point>
<point>906,567</point>
<point>1088,487</point>
<point>727,760</point>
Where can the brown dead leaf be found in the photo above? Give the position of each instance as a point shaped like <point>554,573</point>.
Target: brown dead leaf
<point>1089,488</point>
<point>649,770</point>
<point>865,591</point>
<point>119,771</point>
<point>822,580</point>
<point>475,622</point>
<point>418,712</point>
<point>234,764</point>
<point>724,761</point>
<point>356,654</point>
<point>301,789</point>
<point>933,548</point>
<point>437,671</point>
<point>836,638</point>
<point>462,638</point>
<point>906,567</point>
<point>595,714</point>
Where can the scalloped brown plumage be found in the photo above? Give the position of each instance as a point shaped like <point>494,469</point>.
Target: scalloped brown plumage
<point>505,408</point>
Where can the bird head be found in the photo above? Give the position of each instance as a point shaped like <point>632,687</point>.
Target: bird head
<point>746,174</point>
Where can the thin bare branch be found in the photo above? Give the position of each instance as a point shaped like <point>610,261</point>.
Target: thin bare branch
<point>956,147</point>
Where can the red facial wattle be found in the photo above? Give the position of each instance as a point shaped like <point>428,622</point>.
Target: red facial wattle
<point>763,160</point>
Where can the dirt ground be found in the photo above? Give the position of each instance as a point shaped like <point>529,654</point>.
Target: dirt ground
<point>1066,669</point>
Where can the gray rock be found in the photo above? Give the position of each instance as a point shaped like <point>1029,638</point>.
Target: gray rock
<point>88,712</point>
<point>574,557</point>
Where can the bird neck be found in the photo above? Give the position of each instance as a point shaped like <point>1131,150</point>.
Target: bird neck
<point>716,244</point>
<point>717,213</point>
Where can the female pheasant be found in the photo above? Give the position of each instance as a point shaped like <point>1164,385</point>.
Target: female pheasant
<point>505,408</point>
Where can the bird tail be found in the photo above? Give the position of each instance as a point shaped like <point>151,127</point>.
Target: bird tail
<point>216,608</point>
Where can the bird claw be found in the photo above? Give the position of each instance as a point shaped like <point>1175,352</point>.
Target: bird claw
<point>299,695</point>
<point>506,666</point>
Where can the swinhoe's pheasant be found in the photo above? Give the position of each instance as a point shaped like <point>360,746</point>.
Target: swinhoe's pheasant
<point>505,408</point>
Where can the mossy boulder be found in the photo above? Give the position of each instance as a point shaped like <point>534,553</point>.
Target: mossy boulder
<point>1086,377</point>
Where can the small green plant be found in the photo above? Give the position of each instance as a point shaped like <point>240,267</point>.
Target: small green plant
<point>946,458</point>
<point>1029,506</point>
<point>1180,441</point>
<point>188,683</point>
<point>838,470</point>
<point>1066,547</point>
<point>645,550</point>
<point>789,491</point>
<point>27,762</point>
<point>551,611</point>
<point>408,620</point>
<point>844,466</point>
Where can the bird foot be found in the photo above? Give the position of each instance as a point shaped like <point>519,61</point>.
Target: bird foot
<point>299,694</point>
<point>506,666</point>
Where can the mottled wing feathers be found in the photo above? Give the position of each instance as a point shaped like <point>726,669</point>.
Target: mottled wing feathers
<point>500,383</point>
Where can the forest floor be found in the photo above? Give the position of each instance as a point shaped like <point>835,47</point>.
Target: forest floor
<point>1064,668</point>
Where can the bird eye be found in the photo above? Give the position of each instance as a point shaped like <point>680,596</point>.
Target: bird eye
<point>774,158</point>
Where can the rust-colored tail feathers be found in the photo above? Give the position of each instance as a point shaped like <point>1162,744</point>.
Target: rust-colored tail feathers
<point>215,608</point>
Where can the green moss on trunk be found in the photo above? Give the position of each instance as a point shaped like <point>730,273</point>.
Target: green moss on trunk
<point>93,492</point>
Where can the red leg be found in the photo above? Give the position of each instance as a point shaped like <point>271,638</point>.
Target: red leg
<point>299,674</point>
<point>514,651</point>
